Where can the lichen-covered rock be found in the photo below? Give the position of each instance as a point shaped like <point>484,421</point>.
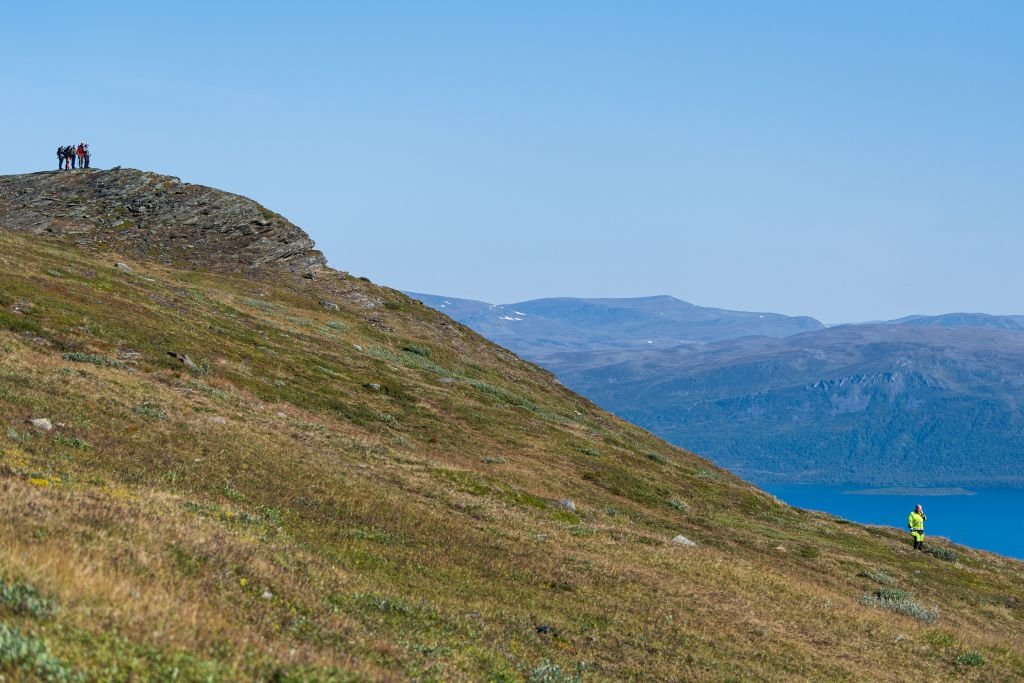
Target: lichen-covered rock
<point>157,217</point>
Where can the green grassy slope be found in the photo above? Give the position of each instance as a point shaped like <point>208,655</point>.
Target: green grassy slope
<point>373,493</point>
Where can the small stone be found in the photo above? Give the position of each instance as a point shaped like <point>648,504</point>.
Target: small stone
<point>373,387</point>
<point>267,595</point>
<point>329,305</point>
<point>280,414</point>
<point>447,380</point>
<point>781,548</point>
<point>543,628</point>
<point>683,540</point>
<point>123,266</point>
<point>567,504</point>
<point>41,423</point>
<point>357,347</point>
<point>217,419</point>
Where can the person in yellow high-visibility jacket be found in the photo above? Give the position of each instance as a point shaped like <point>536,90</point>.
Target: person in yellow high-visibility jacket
<point>916,524</point>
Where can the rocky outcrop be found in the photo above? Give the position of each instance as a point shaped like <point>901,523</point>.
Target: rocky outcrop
<point>154,216</point>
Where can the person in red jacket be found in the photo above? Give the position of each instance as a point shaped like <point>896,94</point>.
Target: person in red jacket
<point>81,154</point>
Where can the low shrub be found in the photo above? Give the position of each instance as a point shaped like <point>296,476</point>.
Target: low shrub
<point>418,350</point>
<point>28,656</point>
<point>878,576</point>
<point>944,554</point>
<point>24,600</point>
<point>969,658</point>
<point>72,442</point>
<point>892,594</point>
<point>900,601</point>
<point>940,638</point>
<point>93,358</point>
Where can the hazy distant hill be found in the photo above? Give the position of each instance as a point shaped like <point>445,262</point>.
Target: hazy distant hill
<point>1004,322</point>
<point>922,399</point>
<point>534,329</point>
<point>884,404</point>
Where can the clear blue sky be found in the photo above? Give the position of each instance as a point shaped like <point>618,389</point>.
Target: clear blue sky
<point>849,161</point>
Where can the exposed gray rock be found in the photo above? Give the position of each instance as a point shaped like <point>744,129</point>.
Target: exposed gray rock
<point>123,266</point>
<point>41,423</point>
<point>330,306</point>
<point>567,504</point>
<point>155,216</point>
<point>185,360</point>
<point>683,540</point>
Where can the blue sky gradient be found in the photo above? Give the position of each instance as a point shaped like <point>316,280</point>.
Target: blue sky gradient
<point>849,161</point>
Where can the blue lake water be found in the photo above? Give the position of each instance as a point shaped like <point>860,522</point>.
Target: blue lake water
<point>992,519</point>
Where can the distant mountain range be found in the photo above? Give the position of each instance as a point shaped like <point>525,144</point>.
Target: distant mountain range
<point>1002,322</point>
<point>920,400</point>
<point>541,327</point>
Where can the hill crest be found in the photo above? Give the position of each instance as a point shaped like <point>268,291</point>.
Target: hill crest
<point>155,217</point>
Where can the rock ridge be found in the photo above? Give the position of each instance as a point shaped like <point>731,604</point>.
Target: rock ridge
<point>155,217</point>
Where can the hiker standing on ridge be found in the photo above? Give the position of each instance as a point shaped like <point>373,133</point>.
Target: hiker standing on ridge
<point>71,156</point>
<point>85,154</point>
<point>60,158</point>
<point>80,152</point>
<point>916,524</point>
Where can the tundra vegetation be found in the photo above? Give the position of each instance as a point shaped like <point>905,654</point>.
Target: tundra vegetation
<point>374,492</point>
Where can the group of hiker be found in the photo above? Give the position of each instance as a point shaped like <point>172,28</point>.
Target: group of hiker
<point>67,156</point>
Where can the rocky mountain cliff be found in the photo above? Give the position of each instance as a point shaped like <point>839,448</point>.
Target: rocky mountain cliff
<point>157,217</point>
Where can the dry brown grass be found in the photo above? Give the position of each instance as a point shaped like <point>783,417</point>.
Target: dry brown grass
<point>410,530</point>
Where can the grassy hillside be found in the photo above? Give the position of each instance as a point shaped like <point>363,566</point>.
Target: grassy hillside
<point>346,485</point>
